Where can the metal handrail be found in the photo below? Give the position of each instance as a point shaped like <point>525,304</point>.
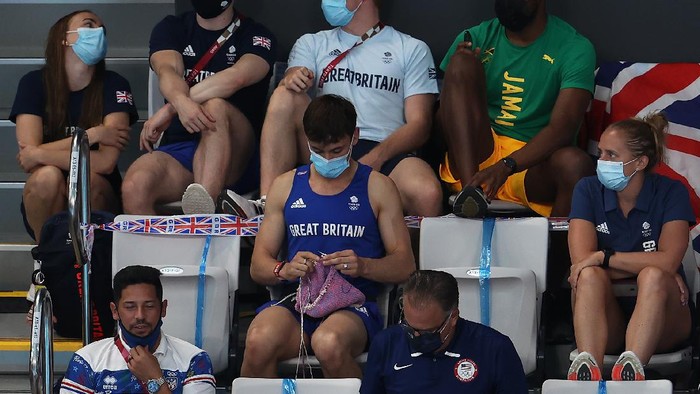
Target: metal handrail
<point>79,211</point>
<point>41,348</point>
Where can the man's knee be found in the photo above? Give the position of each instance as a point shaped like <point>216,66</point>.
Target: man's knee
<point>262,344</point>
<point>286,102</point>
<point>592,278</point>
<point>463,69</point>
<point>329,347</point>
<point>45,183</point>
<point>568,165</point>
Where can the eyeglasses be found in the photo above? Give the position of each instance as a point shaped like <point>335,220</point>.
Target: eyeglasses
<point>412,331</point>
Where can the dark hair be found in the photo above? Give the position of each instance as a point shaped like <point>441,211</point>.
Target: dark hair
<point>136,275</point>
<point>329,118</point>
<point>425,286</point>
<point>55,81</point>
<point>645,136</point>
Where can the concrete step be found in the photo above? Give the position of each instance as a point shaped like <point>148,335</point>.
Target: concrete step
<point>128,23</point>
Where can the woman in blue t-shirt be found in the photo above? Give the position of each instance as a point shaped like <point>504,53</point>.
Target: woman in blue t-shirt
<point>628,223</point>
<point>73,89</point>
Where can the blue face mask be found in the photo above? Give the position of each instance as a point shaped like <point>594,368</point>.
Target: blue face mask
<point>612,174</point>
<point>91,46</point>
<point>149,341</point>
<point>336,13</point>
<point>428,341</point>
<point>330,168</point>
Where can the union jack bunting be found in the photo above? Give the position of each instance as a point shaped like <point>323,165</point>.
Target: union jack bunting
<point>223,225</point>
<point>626,89</point>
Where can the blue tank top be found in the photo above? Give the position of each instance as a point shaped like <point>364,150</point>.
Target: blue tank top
<point>328,224</point>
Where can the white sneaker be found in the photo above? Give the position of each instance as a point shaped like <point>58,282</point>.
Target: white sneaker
<point>196,200</point>
<point>232,203</point>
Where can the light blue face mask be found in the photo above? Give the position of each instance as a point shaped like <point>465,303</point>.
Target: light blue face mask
<point>330,168</point>
<point>336,13</point>
<point>91,46</point>
<point>612,174</point>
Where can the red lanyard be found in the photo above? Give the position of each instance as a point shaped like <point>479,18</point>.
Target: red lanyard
<point>212,51</point>
<point>118,343</point>
<point>370,33</point>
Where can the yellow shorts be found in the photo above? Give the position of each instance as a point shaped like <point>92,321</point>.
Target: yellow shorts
<point>513,189</point>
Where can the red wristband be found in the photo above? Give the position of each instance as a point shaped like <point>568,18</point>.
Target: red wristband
<point>278,268</point>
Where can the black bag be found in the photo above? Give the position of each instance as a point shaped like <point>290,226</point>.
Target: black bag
<point>63,278</point>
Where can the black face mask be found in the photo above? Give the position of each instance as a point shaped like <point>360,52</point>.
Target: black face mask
<point>428,341</point>
<point>513,14</point>
<point>209,9</point>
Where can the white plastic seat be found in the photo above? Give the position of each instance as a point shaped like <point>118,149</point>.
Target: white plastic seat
<point>304,386</point>
<point>178,258</point>
<point>663,363</point>
<point>518,272</point>
<point>288,367</point>
<point>553,386</point>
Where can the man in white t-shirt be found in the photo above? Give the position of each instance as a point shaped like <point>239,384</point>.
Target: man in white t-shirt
<point>389,78</point>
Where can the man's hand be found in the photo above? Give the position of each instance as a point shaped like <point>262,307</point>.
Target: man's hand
<point>143,364</point>
<point>372,159</point>
<point>155,126</point>
<point>111,136</point>
<point>682,288</point>
<point>595,259</point>
<point>347,262</point>
<point>465,48</point>
<point>28,157</point>
<point>299,80</point>
<point>491,178</point>
<point>301,265</point>
<point>194,117</point>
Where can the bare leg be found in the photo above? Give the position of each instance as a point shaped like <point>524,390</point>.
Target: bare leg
<point>336,343</point>
<point>273,336</point>
<point>659,321</point>
<point>598,322</point>
<point>223,154</point>
<point>419,188</point>
<point>554,179</point>
<point>463,116</point>
<point>102,196</point>
<point>153,178</point>
<point>44,195</point>
<point>282,132</point>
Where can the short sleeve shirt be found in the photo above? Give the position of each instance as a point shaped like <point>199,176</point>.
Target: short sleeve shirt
<point>523,83</point>
<point>100,368</point>
<point>183,34</point>
<point>661,200</point>
<point>31,98</point>
<point>478,360</point>
<point>376,76</point>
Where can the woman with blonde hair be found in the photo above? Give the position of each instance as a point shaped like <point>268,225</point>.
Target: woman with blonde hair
<point>73,89</point>
<point>628,223</point>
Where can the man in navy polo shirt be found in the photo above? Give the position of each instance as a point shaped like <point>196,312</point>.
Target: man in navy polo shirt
<point>433,350</point>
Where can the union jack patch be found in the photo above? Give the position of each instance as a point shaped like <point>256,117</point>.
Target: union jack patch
<point>124,96</point>
<point>262,42</point>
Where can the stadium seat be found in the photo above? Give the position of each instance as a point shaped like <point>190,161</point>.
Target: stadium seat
<point>303,386</point>
<point>671,363</point>
<point>289,367</point>
<point>553,386</point>
<point>518,273</point>
<point>178,258</point>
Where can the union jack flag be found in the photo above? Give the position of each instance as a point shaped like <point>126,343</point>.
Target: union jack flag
<point>262,42</point>
<point>124,97</point>
<point>626,89</point>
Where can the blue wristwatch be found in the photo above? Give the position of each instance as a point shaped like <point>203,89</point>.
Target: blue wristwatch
<point>153,385</point>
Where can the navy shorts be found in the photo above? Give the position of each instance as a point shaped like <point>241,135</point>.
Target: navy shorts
<point>367,312</point>
<point>364,146</point>
<point>184,152</point>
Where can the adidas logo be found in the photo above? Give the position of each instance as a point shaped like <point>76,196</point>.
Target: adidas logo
<point>335,52</point>
<point>298,204</point>
<point>188,51</point>
<point>602,228</point>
